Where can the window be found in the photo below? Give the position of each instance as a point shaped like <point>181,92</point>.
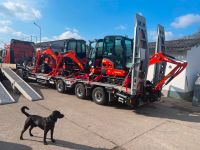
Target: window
<point>71,46</point>
<point>92,50</point>
<point>83,48</point>
<point>129,54</point>
<point>99,48</point>
<point>109,46</point>
<point>78,47</point>
<point>118,48</point>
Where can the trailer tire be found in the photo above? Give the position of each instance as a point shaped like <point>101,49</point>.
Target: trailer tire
<point>99,96</point>
<point>80,91</point>
<point>60,86</point>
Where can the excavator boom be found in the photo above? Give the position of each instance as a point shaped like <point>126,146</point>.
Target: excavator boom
<point>160,58</point>
<point>39,53</point>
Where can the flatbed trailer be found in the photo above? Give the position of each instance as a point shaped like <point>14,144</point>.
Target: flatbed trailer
<point>139,90</point>
<point>102,93</point>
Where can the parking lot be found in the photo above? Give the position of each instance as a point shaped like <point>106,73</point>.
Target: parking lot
<point>168,124</point>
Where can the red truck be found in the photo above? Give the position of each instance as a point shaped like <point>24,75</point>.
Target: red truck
<point>17,51</point>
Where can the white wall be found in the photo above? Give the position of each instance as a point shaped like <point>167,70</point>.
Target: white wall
<point>193,67</point>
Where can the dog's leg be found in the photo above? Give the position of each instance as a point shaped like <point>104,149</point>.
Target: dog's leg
<point>27,124</point>
<point>45,136</point>
<point>52,129</point>
<point>30,129</point>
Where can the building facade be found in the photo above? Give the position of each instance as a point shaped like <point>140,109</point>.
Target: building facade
<point>188,50</point>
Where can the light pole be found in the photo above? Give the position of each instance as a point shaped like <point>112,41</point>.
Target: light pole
<point>39,28</point>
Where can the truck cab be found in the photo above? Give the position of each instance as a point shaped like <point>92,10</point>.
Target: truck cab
<point>17,51</point>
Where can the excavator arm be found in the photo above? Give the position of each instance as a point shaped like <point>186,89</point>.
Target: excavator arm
<point>161,57</point>
<point>70,54</point>
<point>39,53</point>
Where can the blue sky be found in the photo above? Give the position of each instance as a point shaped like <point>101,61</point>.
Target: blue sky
<point>91,19</point>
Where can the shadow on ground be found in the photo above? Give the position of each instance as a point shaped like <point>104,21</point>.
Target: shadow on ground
<point>13,146</point>
<point>66,144</point>
<point>168,109</point>
<point>173,111</point>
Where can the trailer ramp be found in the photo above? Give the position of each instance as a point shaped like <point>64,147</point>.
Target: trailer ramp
<point>21,85</point>
<point>5,97</point>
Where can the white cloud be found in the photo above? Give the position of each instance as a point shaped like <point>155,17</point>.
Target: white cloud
<point>19,34</point>
<point>140,14</point>
<point>45,39</point>
<point>19,9</point>
<point>168,36</point>
<point>70,33</point>
<point>5,22</point>
<point>120,27</point>
<point>13,11</point>
<point>67,35</point>
<point>186,20</point>
<point>5,30</point>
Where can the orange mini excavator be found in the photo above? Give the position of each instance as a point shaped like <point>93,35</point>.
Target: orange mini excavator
<point>111,59</point>
<point>45,61</point>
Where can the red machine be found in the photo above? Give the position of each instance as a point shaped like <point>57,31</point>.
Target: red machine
<point>110,69</point>
<point>17,51</point>
<point>133,66</point>
<point>67,63</point>
<point>161,57</point>
<point>110,58</point>
<point>47,57</point>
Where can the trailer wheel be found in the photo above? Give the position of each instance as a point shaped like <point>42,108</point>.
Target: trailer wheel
<point>60,86</point>
<point>99,96</point>
<point>80,91</point>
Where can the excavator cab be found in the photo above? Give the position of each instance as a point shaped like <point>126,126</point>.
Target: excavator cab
<point>119,50</point>
<point>95,53</point>
<point>111,56</point>
<point>78,46</point>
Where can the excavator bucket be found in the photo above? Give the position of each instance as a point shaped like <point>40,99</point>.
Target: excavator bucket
<point>159,70</point>
<point>140,55</point>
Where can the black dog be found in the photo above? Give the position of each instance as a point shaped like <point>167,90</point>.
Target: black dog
<point>45,123</point>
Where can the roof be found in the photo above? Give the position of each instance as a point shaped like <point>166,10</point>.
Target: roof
<point>178,45</point>
<point>57,44</point>
<point>20,41</point>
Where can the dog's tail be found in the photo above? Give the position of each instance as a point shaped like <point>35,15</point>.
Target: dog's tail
<point>24,112</point>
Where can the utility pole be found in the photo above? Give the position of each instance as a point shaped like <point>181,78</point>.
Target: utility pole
<point>39,29</point>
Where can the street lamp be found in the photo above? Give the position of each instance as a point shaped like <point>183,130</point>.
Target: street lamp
<point>39,28</point>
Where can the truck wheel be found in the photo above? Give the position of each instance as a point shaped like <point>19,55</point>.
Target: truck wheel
<point>60,86</point>
<point>80,91</point>
<point>19,72</point>
<point>99,96</point>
